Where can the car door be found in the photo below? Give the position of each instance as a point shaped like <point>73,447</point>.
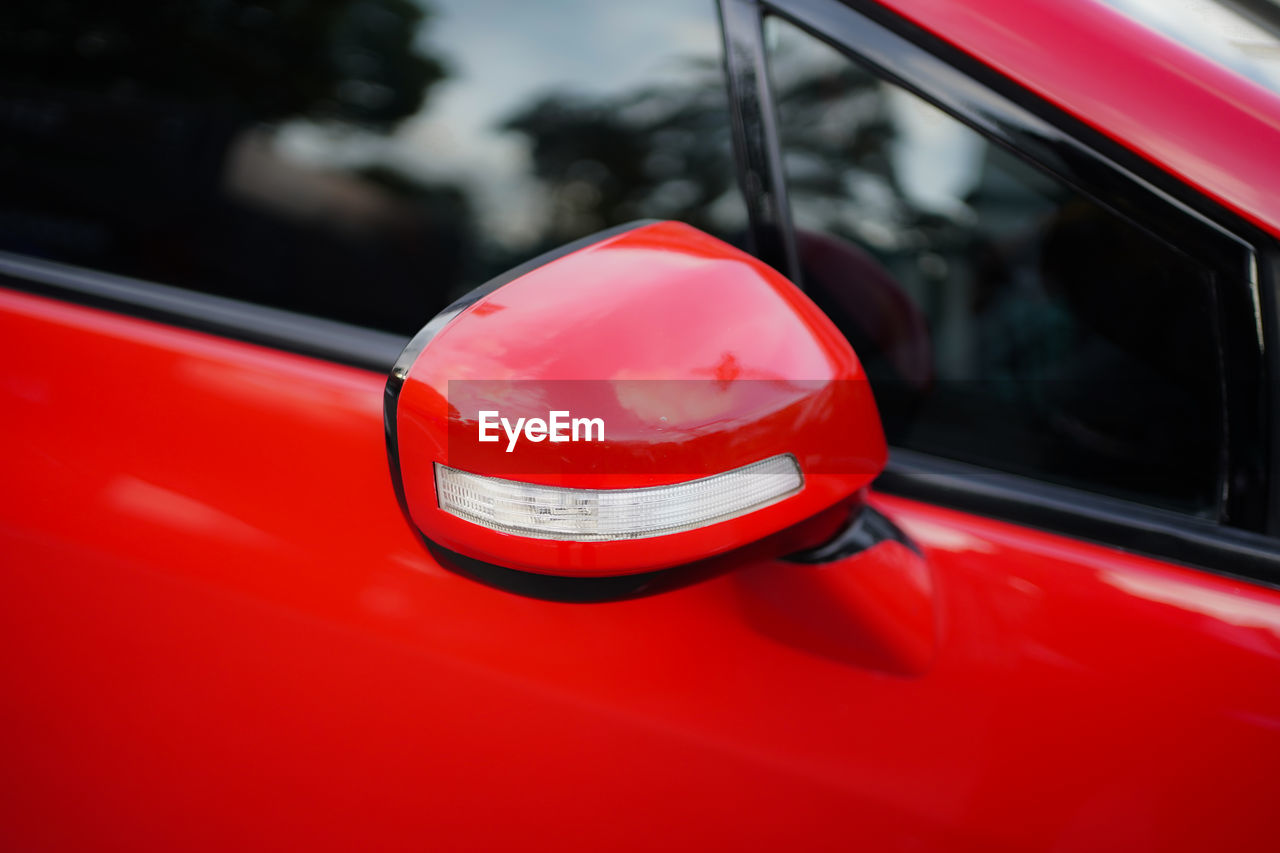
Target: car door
<point>221,630</point>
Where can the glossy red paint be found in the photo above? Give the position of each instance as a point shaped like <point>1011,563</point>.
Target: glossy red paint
<point>219,631</point>
<point>744,368</point>
<point>1210,127</point>
<point>876,609</point>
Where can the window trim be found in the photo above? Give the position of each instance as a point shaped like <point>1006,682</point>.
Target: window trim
<point>771,236</point>
<point>276,328</point>
<point>1150,531</point>
<point>1055,142</point>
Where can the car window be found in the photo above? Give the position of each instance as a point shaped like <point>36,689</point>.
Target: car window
<point>364,160</point>
<point>1004,318</point>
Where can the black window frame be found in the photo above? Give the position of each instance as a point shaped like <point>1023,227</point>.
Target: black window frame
<point>250,322</point>
<point>1243,261</point>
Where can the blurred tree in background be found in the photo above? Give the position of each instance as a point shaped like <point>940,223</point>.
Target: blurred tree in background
<point>347,60</point>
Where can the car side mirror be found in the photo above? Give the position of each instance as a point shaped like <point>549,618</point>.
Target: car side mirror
<point>642,399</point>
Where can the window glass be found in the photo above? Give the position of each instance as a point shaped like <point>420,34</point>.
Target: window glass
<point>365,160</point>
<point>1004,319</point>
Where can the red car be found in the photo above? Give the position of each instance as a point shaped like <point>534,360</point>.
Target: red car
<point>843,425</point>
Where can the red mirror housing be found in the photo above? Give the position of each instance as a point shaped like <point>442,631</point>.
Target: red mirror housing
<point>645,398</point>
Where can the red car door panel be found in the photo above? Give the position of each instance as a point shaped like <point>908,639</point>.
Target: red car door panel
<point>219,630</point>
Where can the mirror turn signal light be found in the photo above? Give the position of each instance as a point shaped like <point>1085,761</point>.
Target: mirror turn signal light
<point>602,515</point>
